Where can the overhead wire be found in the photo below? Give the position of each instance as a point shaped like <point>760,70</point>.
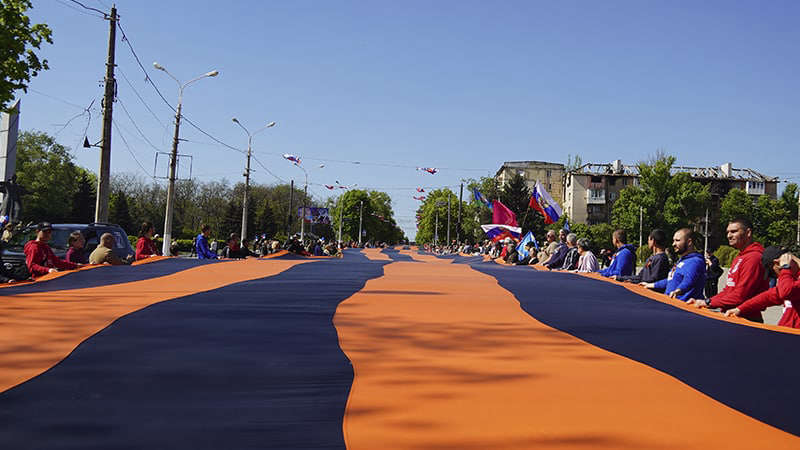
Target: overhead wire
<point>127,113</point>
<point>155,116</point>
<point>102,16</point>
<point>130,150</point>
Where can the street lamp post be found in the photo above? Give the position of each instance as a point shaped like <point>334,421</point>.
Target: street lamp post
<point>247,171</point>
<point>448,217</point>
<point>360,219</point>
<point>173,161</point>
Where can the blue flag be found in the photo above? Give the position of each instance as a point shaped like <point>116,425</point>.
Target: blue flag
<point>566,225</point>
<point>523,252</point>
<point>479,197</point>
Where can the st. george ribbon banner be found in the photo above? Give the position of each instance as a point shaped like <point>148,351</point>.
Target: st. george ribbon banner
<point>315,215</point>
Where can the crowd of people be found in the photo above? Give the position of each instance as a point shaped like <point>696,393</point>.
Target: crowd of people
<point>758,277</point>
<point>40,258</point>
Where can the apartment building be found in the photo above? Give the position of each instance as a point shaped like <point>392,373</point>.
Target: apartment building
<point>550,175</point>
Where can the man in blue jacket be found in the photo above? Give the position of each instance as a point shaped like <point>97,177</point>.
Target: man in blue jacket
<point>624,260</point>
<point>203,250</point>
<point>687,279</point>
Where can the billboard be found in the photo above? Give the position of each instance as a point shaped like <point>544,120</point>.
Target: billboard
<point>315,215</point>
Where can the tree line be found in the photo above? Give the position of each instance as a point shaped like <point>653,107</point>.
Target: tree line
<point>59,191</point>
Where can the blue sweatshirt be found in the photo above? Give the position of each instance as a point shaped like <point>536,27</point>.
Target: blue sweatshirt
<point>622,263</point>
<point>688,275</point>
<point>203,251</point>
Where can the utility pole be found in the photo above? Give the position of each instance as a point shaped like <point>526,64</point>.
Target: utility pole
<point>303,218</point>
<point>291,208</point>
<point>246,188</point>
<point>360,219</point>
<point>448,216</point>
<point>798,217</point>
<point>341,211</point>
<point>104,175</point>
<point>705,250</point>
<point>460,200</point>
<point>640,226</point>
<point>436,228</point>
<point>173,162</point>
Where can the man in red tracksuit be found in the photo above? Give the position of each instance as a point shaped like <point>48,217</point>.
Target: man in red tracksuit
<point>786,292</point>
<point>40,258</point>
<point>746,277</point>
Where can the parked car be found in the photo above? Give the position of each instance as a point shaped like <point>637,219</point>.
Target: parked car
<point>13,251</point>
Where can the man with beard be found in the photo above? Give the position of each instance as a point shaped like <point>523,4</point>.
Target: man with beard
<point>687,279</point>
<point>746,278</point>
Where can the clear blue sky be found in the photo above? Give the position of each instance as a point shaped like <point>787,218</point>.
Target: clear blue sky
<point>452,84</point>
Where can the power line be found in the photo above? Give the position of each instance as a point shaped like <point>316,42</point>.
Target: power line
<point>155,116</point>
<point>103,16</point>
<point>136,126</point>
<point>56,98</point>
<point>89,7</point>
<point>128,147</point>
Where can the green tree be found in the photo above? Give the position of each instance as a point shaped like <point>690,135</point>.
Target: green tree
<point>736,203</point>
<point>435,204</point>
<point>377,219</point>
<point>83,202</point>
<point>46,170</point>
<point>668,201</point>
<point>18,61</point>
<point>119,212</point>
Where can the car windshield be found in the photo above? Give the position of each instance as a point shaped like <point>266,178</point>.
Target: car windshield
<point>58,239</point>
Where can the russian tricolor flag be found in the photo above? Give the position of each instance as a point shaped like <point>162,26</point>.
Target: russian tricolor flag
<point>544,203</point>
<point>497,231</point>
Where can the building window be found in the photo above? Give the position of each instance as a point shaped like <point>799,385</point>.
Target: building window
<point>549,187</point>
<point>549,172</point>
<point>597,179</point>
<point>624,181</point>
<point>612,181</point>
<point>612,196</point>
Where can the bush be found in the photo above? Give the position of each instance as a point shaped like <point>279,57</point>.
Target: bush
<point>725,254</point>
<point>642,253</point>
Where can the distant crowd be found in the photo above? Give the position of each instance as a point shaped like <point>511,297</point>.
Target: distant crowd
<point>758,278</point>
<point>41,260</point>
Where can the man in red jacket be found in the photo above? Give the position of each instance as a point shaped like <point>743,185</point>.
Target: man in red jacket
<point>786,267</point>
<point>40,258</point>
<point>746,277</point>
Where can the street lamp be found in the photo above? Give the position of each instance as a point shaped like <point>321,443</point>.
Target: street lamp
<point>174,156</point>
<point>305,195</point>
<point>247,170</point>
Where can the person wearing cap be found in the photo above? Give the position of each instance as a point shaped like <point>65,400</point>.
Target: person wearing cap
<point>747,278</point>
<point>785,267</point>
<point>39,257</point>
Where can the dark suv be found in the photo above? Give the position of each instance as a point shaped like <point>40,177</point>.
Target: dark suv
<point>13,254</point>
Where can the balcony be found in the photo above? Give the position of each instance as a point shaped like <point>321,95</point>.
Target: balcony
<point>595,197</point>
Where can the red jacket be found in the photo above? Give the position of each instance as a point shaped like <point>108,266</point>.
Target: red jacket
<point>40,259</point>
<point>786,292</point>
<point>745,280</point>
<point>145,247</point>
